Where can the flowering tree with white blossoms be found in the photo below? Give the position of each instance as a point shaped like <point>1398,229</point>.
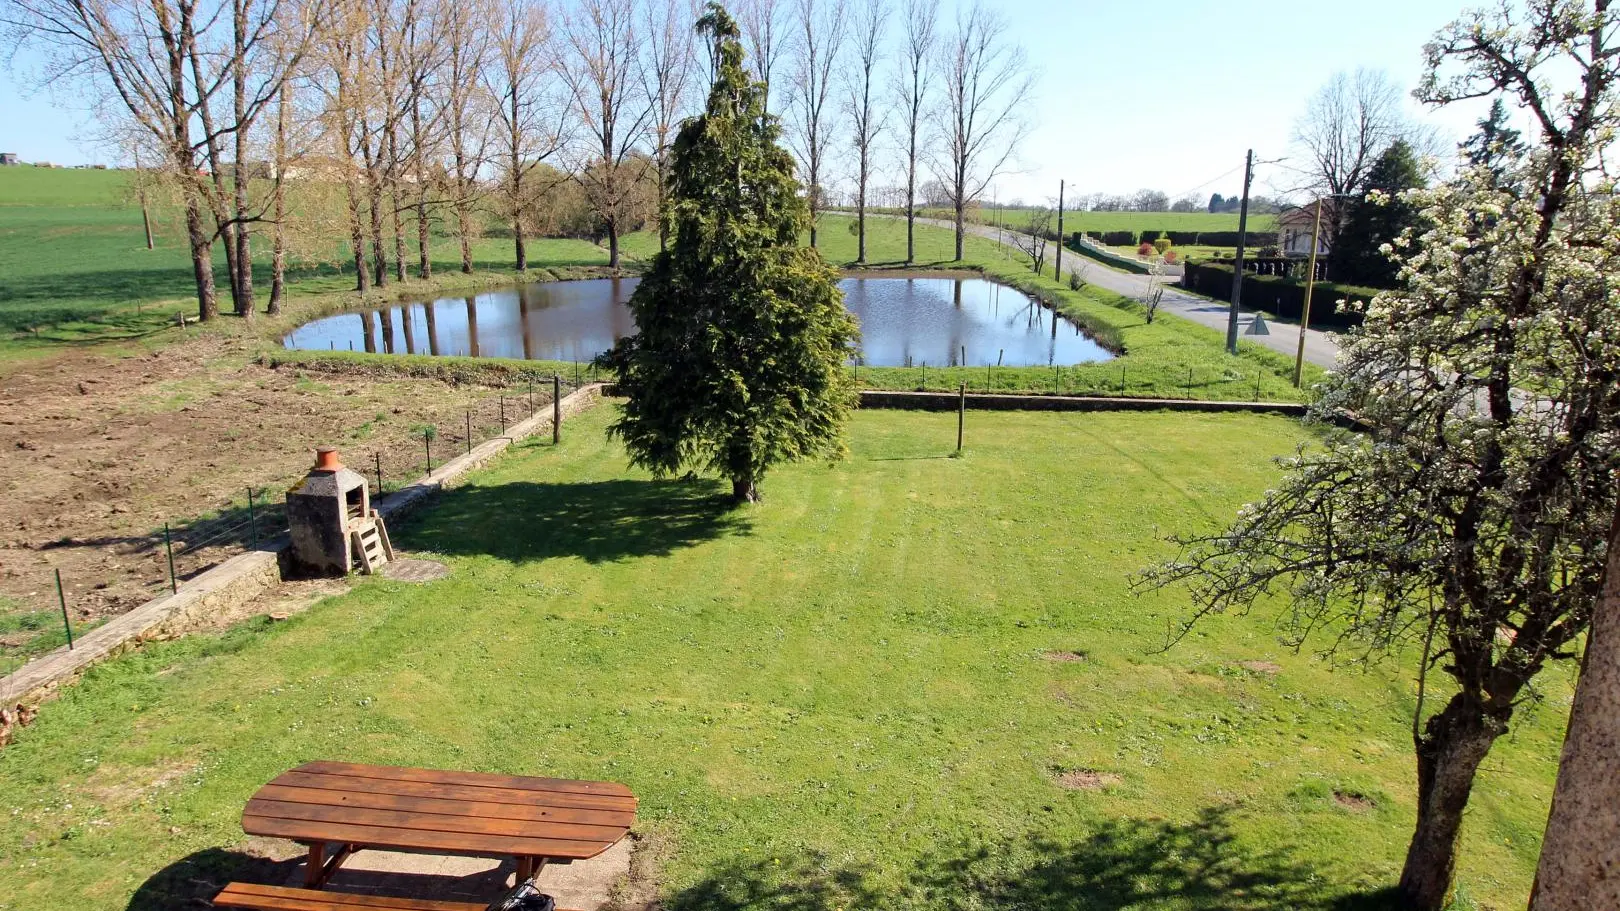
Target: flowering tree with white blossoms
<point>1464,525</point>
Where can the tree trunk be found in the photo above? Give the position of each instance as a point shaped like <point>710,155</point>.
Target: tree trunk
<point>860,214</point>
<point>464,234</point>
<point>278,241</point>
<point>961,226</point>
<point>1579,866</point>
<point>424,246</point>
<point>379,255</point>
<point>399,238</point>
<point>744,491</point>
<point>202,261</point>
<point>522,252</point>
<point>393,201</point>
<point>357,238</point>
<point>278,252</point>
<point>1454,744</point>
<point>613,245</point>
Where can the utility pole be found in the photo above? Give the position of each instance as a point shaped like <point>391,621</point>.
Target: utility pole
<point>1060,235</point>
<point>1310,285</point>
<point>1237,263</point>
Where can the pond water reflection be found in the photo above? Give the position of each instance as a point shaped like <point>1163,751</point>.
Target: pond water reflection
<point>942,321</point>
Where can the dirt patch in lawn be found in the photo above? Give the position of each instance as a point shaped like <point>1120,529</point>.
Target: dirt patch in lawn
<point>1063,656</point>
<point>1350,800</point>
<point>1265,668</point>
<point>103,446</point>
<point>1086,780</point>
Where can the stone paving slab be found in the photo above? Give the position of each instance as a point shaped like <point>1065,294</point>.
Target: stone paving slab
<point>587,885</point>
<point>411,569</point>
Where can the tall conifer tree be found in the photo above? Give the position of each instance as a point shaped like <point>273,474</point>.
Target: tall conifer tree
<point>738,364</point>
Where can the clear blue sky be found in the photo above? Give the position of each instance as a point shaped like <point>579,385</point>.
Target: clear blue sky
<point>1130,95</point>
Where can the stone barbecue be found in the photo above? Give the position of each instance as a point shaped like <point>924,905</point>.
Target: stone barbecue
<point>334,529</point>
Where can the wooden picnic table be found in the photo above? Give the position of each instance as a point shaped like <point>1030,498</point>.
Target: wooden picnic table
<point>337,808</point>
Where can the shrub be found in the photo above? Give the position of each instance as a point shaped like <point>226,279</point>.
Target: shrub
<point>1162,245</point>
<point>1284,297</point>
<point>1182,238</point>
<point>1230,238</point>
<point>1270,251</point>
<point>1118,238</point>
<point>1170,256</point>
<point>1145,248</point>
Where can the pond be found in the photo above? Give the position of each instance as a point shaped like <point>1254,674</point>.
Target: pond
<point>904,321</point>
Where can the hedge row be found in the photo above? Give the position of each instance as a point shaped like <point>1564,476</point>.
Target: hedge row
<point>1180,238</point>
<point>1284,297</point>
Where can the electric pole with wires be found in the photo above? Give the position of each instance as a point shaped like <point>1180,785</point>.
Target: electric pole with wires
<point>1237,262</point>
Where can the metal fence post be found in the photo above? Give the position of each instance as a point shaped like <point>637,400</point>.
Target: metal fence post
<point>168,546</point>
<point>503,414</point>
<point>67,625</point>
<point>961,413</point>
<point>427,443</point>
<point>253,518</point>
<point>469,431</point>
<point>377,454</point>
<point>556,409</point>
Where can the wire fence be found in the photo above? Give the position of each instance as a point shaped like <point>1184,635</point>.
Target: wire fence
<point>130,570</point>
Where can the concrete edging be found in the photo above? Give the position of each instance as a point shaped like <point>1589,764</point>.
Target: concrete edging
<point>947,401</point>
<point>245,576</point>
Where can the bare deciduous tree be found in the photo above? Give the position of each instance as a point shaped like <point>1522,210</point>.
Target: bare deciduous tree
<point>922,17</point>
<point>820,27</point>
<point>865,116</point>
<point>1033,234</point>
<point>161,65</point>
<point>759,33</point>
<point>985,80</point>
<point>1346,125</point>
<point>460,98</point>
<point>666,80</point>
<point>527,117</point>
<point>606,100</point>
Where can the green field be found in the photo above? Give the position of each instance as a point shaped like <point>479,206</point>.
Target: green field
<point>73,258</point>
<point>845,697</point>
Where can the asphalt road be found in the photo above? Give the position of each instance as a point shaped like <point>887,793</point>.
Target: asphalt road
<point>1321,348</point>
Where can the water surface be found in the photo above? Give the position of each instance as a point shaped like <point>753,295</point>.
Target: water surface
<point>904,321</point>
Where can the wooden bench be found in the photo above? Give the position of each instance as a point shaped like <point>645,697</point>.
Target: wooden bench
<point>282,898</point>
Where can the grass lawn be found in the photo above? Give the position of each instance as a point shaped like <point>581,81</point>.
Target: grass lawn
<point>841,698</point>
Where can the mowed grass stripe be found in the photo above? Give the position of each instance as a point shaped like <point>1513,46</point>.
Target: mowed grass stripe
<point>843,689</point>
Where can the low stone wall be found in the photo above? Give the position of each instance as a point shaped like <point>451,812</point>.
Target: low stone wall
<point>246,576</point>
<point>947,401</point>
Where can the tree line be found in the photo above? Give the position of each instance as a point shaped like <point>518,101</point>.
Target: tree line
<point>362,129</point>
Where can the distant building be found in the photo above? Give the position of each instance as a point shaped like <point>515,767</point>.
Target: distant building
<point>1294,226</point>
<point>9,158</point>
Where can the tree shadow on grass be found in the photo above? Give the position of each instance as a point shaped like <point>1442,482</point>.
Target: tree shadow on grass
<point>1123,863</point>
<point>194,880</point>
<point>598,521</point>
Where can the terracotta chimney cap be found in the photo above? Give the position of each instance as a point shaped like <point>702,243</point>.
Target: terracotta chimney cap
<point>326,459</point>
